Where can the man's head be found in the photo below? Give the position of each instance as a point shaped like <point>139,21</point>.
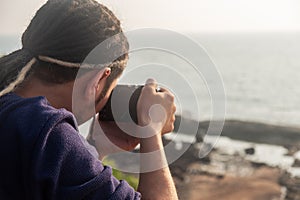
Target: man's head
<point>67,30</point>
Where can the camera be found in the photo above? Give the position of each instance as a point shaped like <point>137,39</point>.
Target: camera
<point>122,104</point>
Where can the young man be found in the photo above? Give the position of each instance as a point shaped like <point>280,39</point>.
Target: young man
<point>42,153</point>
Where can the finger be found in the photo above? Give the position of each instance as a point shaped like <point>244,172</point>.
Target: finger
<point>164,90</point>
<point>169,96</point>
<point>151,83</point>
<point>173,118</point>
<point>174,109</point>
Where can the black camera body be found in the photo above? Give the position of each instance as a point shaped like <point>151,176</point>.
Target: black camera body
<point>122,104</point>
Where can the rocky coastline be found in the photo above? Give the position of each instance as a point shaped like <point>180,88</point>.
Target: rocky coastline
<point>251,161</point>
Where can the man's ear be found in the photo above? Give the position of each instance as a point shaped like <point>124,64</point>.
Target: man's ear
<point>97,82</point>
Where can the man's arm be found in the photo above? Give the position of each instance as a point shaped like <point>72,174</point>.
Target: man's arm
<point>155,178</point>
<point>157,184</point>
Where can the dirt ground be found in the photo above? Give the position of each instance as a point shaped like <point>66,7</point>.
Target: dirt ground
<point>261,185</point>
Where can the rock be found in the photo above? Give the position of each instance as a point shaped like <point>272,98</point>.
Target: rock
<point>242,130</point>
<point>259,132</point>
<point>292,185</point>
<point>230,175</point>
<point>189,127</point>
<point>250,151</point>
<point>296,163</point>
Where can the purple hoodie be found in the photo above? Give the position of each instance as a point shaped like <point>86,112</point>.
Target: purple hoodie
<point>43,156</point>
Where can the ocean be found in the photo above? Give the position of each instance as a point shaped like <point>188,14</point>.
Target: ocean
<point>260,72</point>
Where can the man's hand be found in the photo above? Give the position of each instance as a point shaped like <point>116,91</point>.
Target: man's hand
<point>156,107</point>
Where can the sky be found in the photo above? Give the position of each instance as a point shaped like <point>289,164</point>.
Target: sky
<point>177,15</point>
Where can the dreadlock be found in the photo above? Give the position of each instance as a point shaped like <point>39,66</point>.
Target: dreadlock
<point>57,41</point>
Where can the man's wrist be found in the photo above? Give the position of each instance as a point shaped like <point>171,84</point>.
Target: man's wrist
<point>151,144</point>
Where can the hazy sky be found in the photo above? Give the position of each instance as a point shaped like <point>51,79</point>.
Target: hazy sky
<point>179,15</point>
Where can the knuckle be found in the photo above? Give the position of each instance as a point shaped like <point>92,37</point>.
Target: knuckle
<point>172,98</point>
<point>172,95</point>
<point>173,118</point>
<point>172,127</point>
<point>168,97</point>
<point>174,108</point>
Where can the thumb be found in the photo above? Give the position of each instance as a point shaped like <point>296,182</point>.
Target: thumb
<point>151,83</point>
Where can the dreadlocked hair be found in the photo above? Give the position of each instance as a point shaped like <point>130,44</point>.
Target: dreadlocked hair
<point>57,41</point>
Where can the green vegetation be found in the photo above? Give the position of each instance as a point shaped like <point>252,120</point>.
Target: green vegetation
<point>130,178</point>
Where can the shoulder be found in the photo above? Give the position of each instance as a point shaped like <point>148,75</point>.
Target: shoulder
<point>30,118</point>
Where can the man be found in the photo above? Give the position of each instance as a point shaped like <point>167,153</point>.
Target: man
<point>42,153</point>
